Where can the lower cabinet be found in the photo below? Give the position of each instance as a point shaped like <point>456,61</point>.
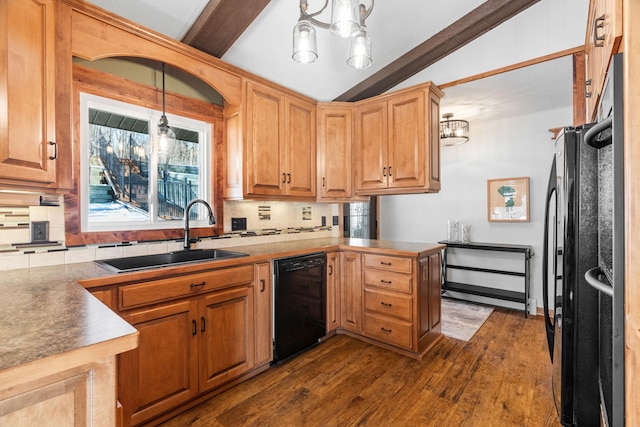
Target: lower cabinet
<point>399,300</point>
<point>162,372</point>
<point>195,344</point>
<point>226,336</point>
<point>351,291</point>
<point>333,291</point>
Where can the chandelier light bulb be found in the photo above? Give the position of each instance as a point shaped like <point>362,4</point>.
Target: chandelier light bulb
<point>360,49</point>
<point>345,17</point>
<point>305,48</point>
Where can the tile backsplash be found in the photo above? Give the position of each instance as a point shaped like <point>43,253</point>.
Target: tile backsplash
<point>266,222</point>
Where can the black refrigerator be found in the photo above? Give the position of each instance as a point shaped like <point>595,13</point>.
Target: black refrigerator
<point>583,266</point>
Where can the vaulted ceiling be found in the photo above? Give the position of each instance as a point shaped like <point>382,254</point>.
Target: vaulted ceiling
<point>413,40</point>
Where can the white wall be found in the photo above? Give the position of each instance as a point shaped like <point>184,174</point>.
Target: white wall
<point>508,147</point>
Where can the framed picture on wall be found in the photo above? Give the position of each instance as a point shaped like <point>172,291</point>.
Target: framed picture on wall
<point>508,199</point>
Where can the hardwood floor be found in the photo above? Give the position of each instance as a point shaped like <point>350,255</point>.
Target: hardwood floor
<point>502,377</point>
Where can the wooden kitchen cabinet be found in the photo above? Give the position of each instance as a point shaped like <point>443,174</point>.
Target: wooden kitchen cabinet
<point>197,332</point>
<point>396,147</point>
<point>396,302</point>
<point>333,291</point>
<point>351,291</point>
<point>28,148</point>
<point>280,144</point>
<point>602,41</point>
<point>226,336</point>
<point>429,292</point>
<point>335,140</point>
<point>162,372</point>
<point>263,303</point>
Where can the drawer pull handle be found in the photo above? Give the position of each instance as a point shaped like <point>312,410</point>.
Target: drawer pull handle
<point>387,282</point>
<point>204,324</point>
<point>195,327</point>
<point>198,285</point>
<point>331,270</point>
<point>386,330</point>
<point>262,285</point>
<point>385,304</point>
<point>384,263</point>
<point>598,40</point>
<point>284,178</point>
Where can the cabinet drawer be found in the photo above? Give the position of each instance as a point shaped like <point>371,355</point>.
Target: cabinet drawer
<point>392,331</point>
<point>389,263</point>
<point>389,304</point>
<point>176,287</point>
<point>388,280</point>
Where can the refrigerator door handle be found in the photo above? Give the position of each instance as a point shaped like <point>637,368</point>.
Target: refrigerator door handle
<point>551,192</point>
<point>591,276</point>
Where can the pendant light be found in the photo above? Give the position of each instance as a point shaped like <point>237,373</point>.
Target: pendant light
<point>166,137</point>
<point>345,18</point>
<point>453,132</point>
<point>360,49</point>
<point>347,21</point>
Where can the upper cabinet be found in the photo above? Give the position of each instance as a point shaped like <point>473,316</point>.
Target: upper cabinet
<point>335,139</point>
<point>28,146</point>
<point>604,33</point>
<point>396,148</point>
<point>280,144</point>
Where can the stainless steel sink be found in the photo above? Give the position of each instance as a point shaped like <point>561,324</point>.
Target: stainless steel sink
<point>145,262</point>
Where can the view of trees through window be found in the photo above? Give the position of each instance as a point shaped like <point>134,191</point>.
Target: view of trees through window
<point>128,182</point>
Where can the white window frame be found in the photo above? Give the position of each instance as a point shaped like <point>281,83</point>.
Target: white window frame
<point>204,130</point>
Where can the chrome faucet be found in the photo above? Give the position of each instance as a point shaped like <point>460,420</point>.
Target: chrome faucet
<point>212,220</point>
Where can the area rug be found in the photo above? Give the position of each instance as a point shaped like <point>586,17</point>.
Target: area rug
<point>461,320</point>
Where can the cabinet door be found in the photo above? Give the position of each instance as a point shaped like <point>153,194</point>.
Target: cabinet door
<point>263,303</point>
<point>429,300</point>
<point>406,163</point>
<point>27,91</point>
<point>433,146</point>
<point>333,291</point>
<point>351,291</point>
<point>264,150</point>
<point>300,148</point>
<point>162,372</point>
<point>370,153</point>
<point>226,336</point>
<point>335,138</point>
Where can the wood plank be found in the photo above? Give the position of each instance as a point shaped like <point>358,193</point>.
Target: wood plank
<point>471,26</point>
<point>502,376</point>
<point>221,23</point>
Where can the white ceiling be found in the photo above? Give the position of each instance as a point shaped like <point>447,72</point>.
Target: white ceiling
<point>397,26</point>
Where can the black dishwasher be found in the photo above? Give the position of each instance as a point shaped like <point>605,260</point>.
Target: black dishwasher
<point>300,304</point>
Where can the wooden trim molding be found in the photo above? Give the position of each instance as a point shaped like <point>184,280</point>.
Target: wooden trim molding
<point>103,84</point>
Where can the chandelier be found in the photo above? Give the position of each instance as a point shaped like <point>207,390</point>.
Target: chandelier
<point>347,21</point>
<point>453,132</point>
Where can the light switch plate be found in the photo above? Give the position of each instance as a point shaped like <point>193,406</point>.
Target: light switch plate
<point>39,231</point>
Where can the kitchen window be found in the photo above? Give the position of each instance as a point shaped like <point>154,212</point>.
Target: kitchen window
<point>125,183</point>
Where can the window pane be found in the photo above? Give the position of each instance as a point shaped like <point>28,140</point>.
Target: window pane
<point>179,175</point>
<point>118,167</point>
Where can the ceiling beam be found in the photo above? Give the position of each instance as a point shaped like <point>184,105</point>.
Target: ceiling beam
<point>221,23</point>
<point>471,26</point>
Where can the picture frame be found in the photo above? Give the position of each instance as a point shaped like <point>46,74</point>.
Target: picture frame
<point>508,199</point>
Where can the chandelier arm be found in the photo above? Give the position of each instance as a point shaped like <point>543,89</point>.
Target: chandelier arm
<point>311,16</point>
<point>368,11</point>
